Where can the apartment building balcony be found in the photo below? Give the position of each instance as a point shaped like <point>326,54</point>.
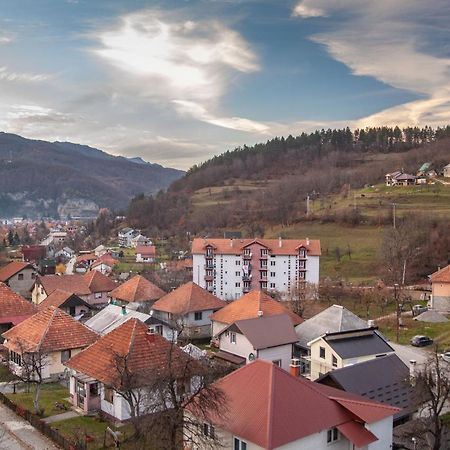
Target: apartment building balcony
<point>210,288</point>
<point>246,289</point>
<point>264,256</point>
<point>209,266</point>
<point>209,277</point>
<point>247,277</point>
<point>209,256</point>
<point>263,278</point>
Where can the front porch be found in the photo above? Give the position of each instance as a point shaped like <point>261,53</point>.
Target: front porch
<point>85,393</point>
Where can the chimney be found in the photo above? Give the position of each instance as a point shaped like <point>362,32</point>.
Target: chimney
<point>260,313</point>
<point>124,310</point>
<point>412,368</point>
<point>307,241</point>
<point>151,335</point>
<point>231,242</point>
<point>280,242</point>
<point>295,367</point>
<point>371,323</point>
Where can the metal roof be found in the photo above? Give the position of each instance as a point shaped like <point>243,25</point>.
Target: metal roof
<point>334,318</point>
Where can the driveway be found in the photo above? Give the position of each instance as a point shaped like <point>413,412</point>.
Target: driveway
<point>407,353</point>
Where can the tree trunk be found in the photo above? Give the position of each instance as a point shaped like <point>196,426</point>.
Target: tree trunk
<point>36,398</point>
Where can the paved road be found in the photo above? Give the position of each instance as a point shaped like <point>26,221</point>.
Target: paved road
<point>17,434</point>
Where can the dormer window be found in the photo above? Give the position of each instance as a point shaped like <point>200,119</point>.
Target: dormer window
<point>209,251</point>
<point>247,252</point>
<point>302,253</point>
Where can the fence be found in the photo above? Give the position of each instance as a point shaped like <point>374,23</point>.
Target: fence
<point>40,425</point>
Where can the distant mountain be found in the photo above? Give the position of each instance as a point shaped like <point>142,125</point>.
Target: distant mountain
<point>39,178</point>
<point>137,160</point>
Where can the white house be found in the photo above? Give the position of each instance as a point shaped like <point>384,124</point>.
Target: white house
<point>145,253</point>
<point>125,236</point>
<point>269,338</point>
<point>19,276</point>
<point>268,408</point>
<point>230,268</point>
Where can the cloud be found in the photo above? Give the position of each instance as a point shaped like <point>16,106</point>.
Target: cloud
<point>393,42</point>
<point>306,11</point>
<point>6,75</point>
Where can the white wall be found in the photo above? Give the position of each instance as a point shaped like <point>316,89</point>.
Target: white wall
<point>383,431</point>
<point>283,352</point>
<point>242,347</point>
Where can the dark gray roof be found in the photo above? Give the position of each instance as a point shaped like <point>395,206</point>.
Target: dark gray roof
<point>356,343</point>
<point>334,318</point>
<point>382,379</point>
<point>265,332</point>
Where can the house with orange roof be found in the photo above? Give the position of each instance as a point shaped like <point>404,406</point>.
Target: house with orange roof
<point>230,268</point>
<point>13,308</point>
<point>190,307</point>
<point>67,301</point>
<point>97,377</point>
<point>440,289</point>
<point>268,408</point>
<point>145,253</point>
<point>19,276</point>
<point>51,335</point>
<point>93,287</point>
<point>250,306</point>
<point>137,290</point>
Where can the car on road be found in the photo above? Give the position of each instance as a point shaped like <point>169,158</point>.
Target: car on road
<point>446,356</point>
<point>421,341</point>
<point>419,309</point>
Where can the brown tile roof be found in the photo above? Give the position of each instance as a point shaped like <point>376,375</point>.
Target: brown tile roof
<point>236,246</point>
<point>12,268</point>
<point>187,298</point>
<point>49,330</point>
<point>80,284</point>
<point>97,282</point>
<point>147,250</point>
<point>146,354</point>
<point>13,307</point>
<point>271,408</point>
<point>247,307</point>
<point>441,276</point>
<point>86,257</point>
<point>137,289</point>
<point>59,297</point>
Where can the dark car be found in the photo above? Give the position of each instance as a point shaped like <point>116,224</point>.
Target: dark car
<point>421,341</point>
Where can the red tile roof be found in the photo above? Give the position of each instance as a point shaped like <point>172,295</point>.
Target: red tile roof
<point>12,268</point>
<point>59,297</point>
<point>236,246</point>
<point>270,408</point>
<point>137,289</point>
<point>441,276</point>
<point>14,308</point>
<point>86,257</point>
<point>49,330</point>
<point>247,307</point>
<point>187,298</point>
<point>146,354</point>
<point>97,282</point>
<point>146,250</point>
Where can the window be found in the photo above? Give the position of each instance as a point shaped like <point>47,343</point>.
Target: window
<point>208,430</point>
<point>238,274</point>
<point>239,445</point>
<point>334,361</point>
<point>93,389</point>
<point>302,275</point>
<point>232,338</point>
<point>322,352</point>
<point>272,274</point>
<point>159,329</point>
<point>263,284</point>
<point>302,253</point>
<point>98,295</point>
<point>247,252</point>
<point>20,276</point>
<point>263,263</point>
<point>198,315</point>
<point>72,310</point>
<point>332,435</point>
<point>33,275</point>
<point>15,358</point>
<point>238,262</point>
<point>237,284</point>
<point>264,252</point>
<point>108,394</point>
<point>272,263</point>
<point>277,362</point>
<point>272,285</point>
<point>65,355</point>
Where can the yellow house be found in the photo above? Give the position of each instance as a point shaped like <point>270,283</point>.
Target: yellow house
<point>440,289</point>
<point>336,350</point>
<point>44,341</point>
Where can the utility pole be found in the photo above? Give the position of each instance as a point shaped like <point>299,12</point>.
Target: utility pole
<point>397,306</point>
<point>393,214</point>
<point>307,205</point>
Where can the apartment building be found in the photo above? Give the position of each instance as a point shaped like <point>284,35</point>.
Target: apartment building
<point>229,268</point>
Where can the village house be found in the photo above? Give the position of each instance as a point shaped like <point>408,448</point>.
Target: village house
<point>19,276</point>
<point>383,379</point>
<point>440,290</point>
<point>446,171</point>
<point>269,338</point>
<point>140,241</point>
<point>335,350</point>
<point>33,253</point>
<point>190,307</point>
<point>145,253</point>
<point>333,319</point>
<point>93,287</point>
<point>125,236</point>
<point>250,306</point>
<point>65,253</point>
<point>13,308</point>
<point>51,337</point>
<point>268,408</point>
<point>137,290</point>
<point>230,268</point>
<point>68,302</point>
<point>399,178</point>
<point>97,377</point>
<point>84,262</point>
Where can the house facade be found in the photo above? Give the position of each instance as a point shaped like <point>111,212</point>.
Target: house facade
<point>336,350</point>
<point>440,290</point>
<point>229,268</point>
<point>19,276</point>
<point>145,253</point>
<point>125,236</point>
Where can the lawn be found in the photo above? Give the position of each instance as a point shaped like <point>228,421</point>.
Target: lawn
<point>51,393</point>
<point>5,374</point>
<point>439,332</point>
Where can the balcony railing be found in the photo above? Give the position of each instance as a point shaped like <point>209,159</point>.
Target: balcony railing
<point>209,277</point>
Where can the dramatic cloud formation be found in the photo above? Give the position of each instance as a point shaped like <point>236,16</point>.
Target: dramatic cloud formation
<point>393,42</point>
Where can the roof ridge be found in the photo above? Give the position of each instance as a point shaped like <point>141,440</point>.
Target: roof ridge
<point>270,405</point>
<point>139,279</point>
<point>44,334</point>
<point>371,403</point>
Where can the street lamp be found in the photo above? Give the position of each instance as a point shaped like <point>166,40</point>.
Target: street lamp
<point>414,441</point>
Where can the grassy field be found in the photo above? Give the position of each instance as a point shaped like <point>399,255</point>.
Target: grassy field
<point>5,374</point>
<point>51,393</point>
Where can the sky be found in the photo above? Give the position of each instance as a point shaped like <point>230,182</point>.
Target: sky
<point>178,81</point>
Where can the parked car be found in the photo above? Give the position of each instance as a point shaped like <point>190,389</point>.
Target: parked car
<point>419,309</point>
<point>446,356</point>
<point>421,341</point>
